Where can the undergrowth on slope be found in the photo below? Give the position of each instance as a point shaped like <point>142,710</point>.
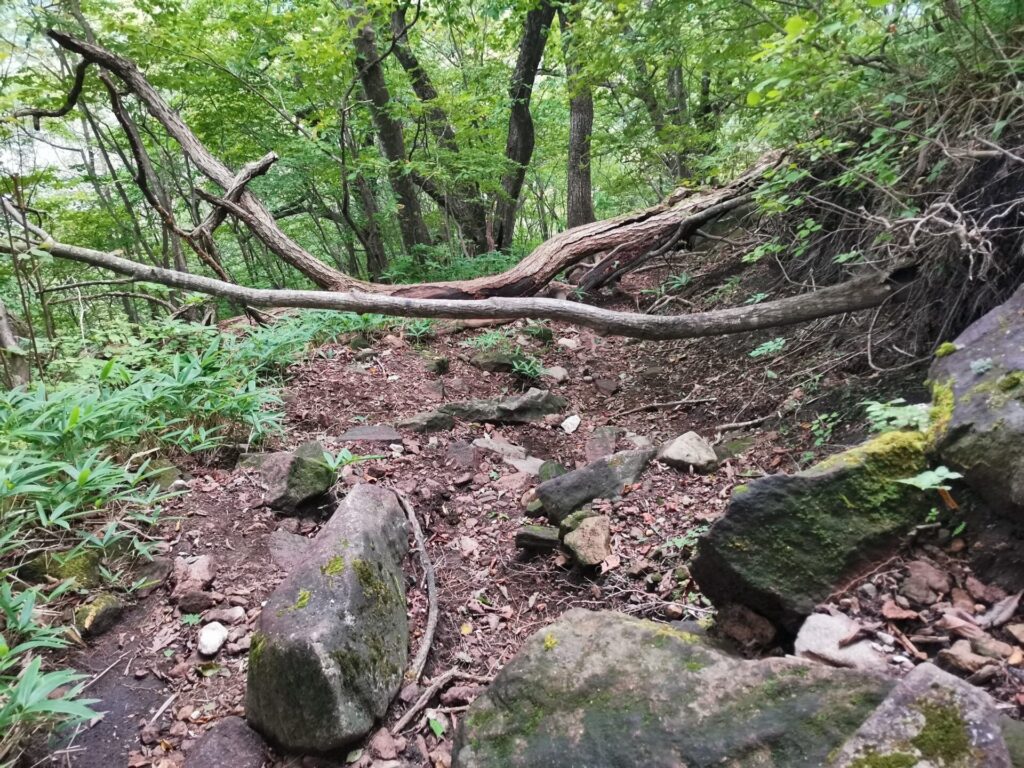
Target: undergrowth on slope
<point>77,471</point>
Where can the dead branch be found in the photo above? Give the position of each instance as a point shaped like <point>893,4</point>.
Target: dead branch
<point>69,101</point>
<point>859,293</point>
<point>438,683</point>
<point>418,663</point>
<point>667,404</point>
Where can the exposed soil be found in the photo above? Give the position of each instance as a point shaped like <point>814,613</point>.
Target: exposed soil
<point>158,694</point>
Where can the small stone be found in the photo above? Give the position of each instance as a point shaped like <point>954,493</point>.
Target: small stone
<point>960,657</point>
<point>366,433</point>
<point>196,601</point>
<point>233,615</point>
<point>868,590</point>
<point>438,365</point>
<point>674,612</point>
<point>537,538</point>
<point>556,373</point>
<point>591,542</point>
<point>606,387</point>
<point>212,638</point>
<point>572,522</point>
<point>925,583</point>
<point>567,343</point>
<point>989,646</point>
<point>571,424</point>
<point>1016,631</point>
<point>382,745</point>
<point>687,451</point>
<point>504,449</point>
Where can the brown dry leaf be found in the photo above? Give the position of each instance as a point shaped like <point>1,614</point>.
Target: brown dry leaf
<point>610,563</point>
<point>893,612</point>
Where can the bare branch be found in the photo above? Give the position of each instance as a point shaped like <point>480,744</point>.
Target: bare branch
<point>860,293</point>
<point>69,102</point>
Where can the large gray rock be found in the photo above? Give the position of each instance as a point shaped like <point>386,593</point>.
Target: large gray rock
<point>787,541</point>
<point>930,719</point>
<point>602,479</point>
<point>532,405</point>
<point>978,426</point>
<point>229,742</point>
<point>292,477</point>
<point>332,641</point>
<point>603,689</point>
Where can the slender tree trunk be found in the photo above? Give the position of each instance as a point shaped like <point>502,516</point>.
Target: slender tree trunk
<point>579,197</point>
<point>15,361</point>
<point>462,202</point>
<point>519,146</point>
<point>389,132</point>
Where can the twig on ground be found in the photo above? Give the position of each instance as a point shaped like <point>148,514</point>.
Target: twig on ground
<point>668,404</point>
<point>420,661</point>
<point>743,424</point>
<point>439,682</point>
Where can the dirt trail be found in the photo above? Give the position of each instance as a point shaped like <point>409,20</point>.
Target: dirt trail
<point>158,695</point>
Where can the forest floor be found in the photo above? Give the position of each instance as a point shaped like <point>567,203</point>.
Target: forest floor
<point>158,694</point>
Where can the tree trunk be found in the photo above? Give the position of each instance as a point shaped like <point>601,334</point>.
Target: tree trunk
<point>579,198</point>
<point>519,146</point>
<point>462,202</point>
<point>15,360</point>
<point>389,132</point>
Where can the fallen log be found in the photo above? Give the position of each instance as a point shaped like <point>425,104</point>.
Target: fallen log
<point>856,294</point>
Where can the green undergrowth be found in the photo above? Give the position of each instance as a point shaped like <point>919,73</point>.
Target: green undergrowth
<point>80,453</point>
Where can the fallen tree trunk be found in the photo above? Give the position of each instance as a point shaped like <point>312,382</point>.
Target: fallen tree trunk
<point>620,240</point>
<point>856,294</point>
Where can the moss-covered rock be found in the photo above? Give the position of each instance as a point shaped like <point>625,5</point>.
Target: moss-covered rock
<point>604,689</point>
<point>787,541</point>
<point>602,479</point>
<point>98,615</point>
<point>332,641</point>
<point>978,430</point>
<point>293,477</point>
<point>82,566</point>
<point>931,718</point>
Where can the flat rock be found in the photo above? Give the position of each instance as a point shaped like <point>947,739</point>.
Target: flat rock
<point>537,538</point>
<point>930,719</point>
<point>602,479</point>
<point>591,541</point>
<point>380,433</point>
<point>603,689</point>
<point>230,740</point>
<point>332,640</point>
<point>532,405</point>
<point>531,465</point>
<point>193,574</point>
<point>504,449</point>
<point>819,638</point>
<point>925,583</point>
<point>494,360</point>
<point>689,451</point>
<point>786,541</point>
<point>233,615</point>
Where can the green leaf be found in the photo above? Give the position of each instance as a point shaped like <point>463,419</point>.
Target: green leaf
<point>754,98</point>
<point>436,726</point>
<point>796,25</point>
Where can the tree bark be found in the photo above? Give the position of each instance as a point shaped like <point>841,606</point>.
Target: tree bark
<point>15,359</point>
<point>579,197</point>
<point>389,131</point>
<point>519,145</point>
